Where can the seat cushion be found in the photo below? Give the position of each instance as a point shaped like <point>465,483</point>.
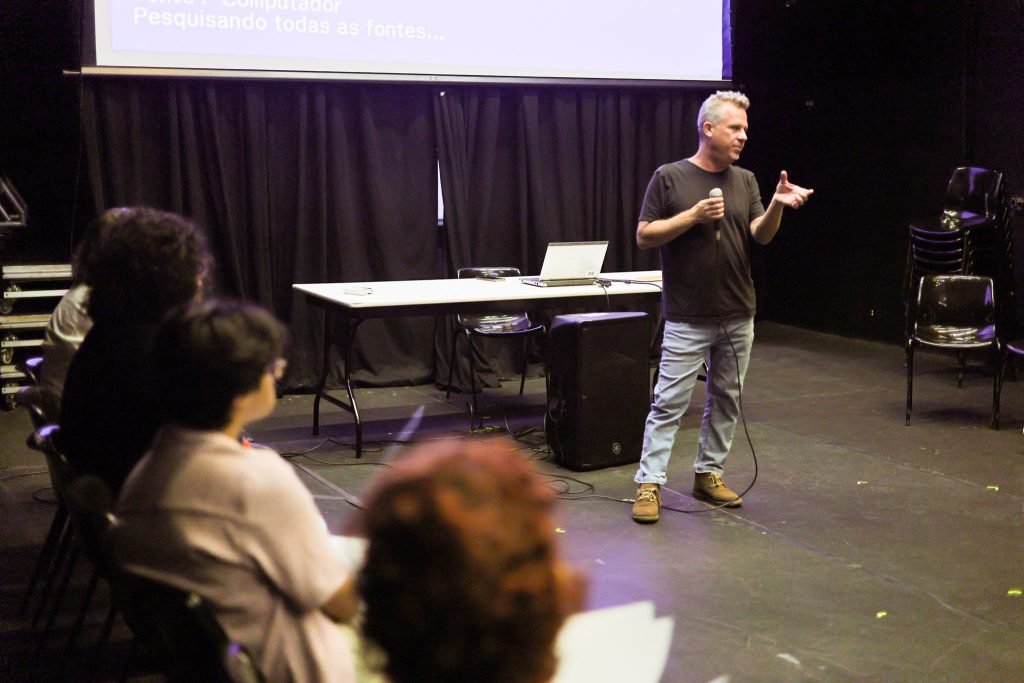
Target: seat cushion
<point>955,336</point>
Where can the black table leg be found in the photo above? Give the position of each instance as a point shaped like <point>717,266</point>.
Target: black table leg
<point>323,371</point>
<point>348,340</point>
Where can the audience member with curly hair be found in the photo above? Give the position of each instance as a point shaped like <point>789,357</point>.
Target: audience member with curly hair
<point>70,321</point>
<point>204,513</point>
<point>462,579</point>
<point>149,262</point>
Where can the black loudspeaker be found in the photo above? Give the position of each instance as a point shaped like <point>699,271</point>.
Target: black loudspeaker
<point>598,388</point>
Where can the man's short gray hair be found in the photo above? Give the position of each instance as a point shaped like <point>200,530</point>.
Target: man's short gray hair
<point>711,110</point>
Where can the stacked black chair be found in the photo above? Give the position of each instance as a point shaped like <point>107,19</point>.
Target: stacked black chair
<point>967,237</point>
<point>974,197</point>
<point>493,326</point>
<point>938,251</point>
<point>931,251</point>
<point>957,313</point>
<point>975,203</point>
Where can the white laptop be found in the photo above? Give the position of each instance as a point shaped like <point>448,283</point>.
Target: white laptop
<point>570,263</point>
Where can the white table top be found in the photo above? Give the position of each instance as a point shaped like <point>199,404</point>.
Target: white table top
<point>459,293</point>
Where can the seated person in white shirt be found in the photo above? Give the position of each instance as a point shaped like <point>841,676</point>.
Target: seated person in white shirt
<point>204,513</point>
<point>462,580</point>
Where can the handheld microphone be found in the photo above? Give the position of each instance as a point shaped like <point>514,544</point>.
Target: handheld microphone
<point>716,192</point>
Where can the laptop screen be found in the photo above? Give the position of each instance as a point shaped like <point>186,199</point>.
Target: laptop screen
<point>573,260</point>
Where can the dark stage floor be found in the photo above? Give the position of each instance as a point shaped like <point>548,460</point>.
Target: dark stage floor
<point>866,551</point>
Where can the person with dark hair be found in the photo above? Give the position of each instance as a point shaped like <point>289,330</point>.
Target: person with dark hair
<point>70,321</point>
<point>149,262</point>
<point>234,524</point>
<point>462,580</point>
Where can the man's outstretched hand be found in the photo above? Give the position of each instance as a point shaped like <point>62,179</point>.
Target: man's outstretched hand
<point>789,194</point>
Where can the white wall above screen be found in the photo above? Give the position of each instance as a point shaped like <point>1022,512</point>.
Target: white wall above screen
<point>644,40</point>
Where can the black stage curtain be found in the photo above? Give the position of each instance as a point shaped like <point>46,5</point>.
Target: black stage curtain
<point>320,182</point>
<point>293,183</point>
<point>521,168</point>
<point>524,167</point>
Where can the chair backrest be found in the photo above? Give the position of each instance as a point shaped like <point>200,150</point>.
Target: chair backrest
<point>978,190</point>
<point>44,440</point>
<point>180,632</point>
<point>87,498</point>
<point>962,301</point>
<point>32,398</point>
<point>497,321</point>
<point>32,368</point>
<point>41,402</point>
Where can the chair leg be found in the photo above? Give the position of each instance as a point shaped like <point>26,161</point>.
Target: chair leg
<point>46,554</point>
<point>907,279</point>
<point>1010,368</point>
<point>129,659</point>
<point>522,381</point>
<point>76,630</point>
<point>451,363</point>
<point>997,386</point>
<point>101,643</point>
<point>64,545</point>
<point>58,601</point>
<point>910,379</point>
<point>475,409</point>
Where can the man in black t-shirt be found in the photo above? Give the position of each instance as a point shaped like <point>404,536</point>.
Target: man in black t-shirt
<point>701,212</point>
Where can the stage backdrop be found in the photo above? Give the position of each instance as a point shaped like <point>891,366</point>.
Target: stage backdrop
<point>321,182</point>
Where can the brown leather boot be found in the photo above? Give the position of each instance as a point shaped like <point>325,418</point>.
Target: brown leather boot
<point>709,487</point>
<point>646,509</point>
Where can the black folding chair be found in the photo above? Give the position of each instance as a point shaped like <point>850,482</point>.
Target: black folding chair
<point>497,325</point>
<point>180,633</point>
<point>958,313</point>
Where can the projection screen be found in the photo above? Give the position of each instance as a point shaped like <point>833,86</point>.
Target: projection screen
<point>638,42</point>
